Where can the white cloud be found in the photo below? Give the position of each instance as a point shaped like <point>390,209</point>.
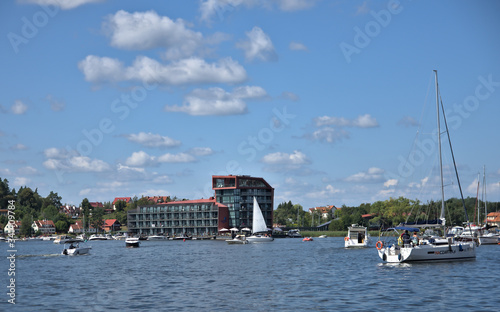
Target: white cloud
<point>371,175</point>
<point>297,158</point>
<point>28,170</point>
<point>187,71</point>
<point>297,46</point>
<point>19,147</point>
<point>362,121</point>
<point>216,101</point>
<point>176,158</point>
<point>63,4</point>
<point>290,96</point>
<point>152,140</point>
<point>54,152</point>
<point>296,5</point>
<point>258,46</point>
<point>21,181</point>
<point>140,159</point>
<point>148,30</point>
<point>201,151</point>
<point>210,8</point>
<point>76,164</point>
<point>327,192</point>
<point>329,135</point>
<point>391,182</point>
<point>56,105</point>
<point>19,107</point>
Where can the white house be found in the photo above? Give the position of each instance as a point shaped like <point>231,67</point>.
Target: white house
<point>12,228</point>
<point>44,226</point>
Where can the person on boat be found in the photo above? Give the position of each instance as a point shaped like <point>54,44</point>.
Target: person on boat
<point>406,238</point>
<point>414,239</point>
<point>71,246</point>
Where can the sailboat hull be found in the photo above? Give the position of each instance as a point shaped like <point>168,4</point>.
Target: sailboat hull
<point>428,252</point>
<point>259,239</point>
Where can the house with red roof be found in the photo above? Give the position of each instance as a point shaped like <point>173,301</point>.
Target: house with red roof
<point>493,218</point>
<point>96,205</point>
<point>125,199</point>
<point>159,199</point>
<point>112,225</point>
<point>12,227</point>
<point>44,226</point>
<point>326,212</point>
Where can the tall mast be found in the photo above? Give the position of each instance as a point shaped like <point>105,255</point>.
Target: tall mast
<point>440,156</point>
<point>484,193</point>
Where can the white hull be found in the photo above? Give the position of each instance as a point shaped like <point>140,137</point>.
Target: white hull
<point>489,239</point>
<point>76,251</point>
<point>132,242</point>
<point>428,252</point>
<point>259,239</point>
<point>354,243</point>
<point>151,238</point>
<point>236,241</point>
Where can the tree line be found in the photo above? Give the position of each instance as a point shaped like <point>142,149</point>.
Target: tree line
<point>384,214</point>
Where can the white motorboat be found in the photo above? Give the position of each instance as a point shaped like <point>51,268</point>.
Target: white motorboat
<point>357,236</point>
<point>488,238</point>
<point>432,248</point>
<point>157,237</point>
<point>73,248</point>
<point>62,239</point>
<point>97,237</point>
<point>259,227</point>
<point>238,239</point>
<point>294,233</point>
<point>132,242</point>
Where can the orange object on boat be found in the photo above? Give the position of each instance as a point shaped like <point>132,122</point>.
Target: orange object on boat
<point>307,239</point>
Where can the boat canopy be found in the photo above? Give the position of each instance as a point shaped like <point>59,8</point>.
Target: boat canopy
<point>406,228</point>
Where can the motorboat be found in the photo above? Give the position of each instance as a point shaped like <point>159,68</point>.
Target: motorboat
<point>62,239</point>
<point>132,242</point>
<point>259,227</point>
<point>73,248</point>
<point>357,236</point>
<point>488,238</point>
<point>97,237</point>
<point>323,236</point>
<point>294,233</point>
<point>238,239</point>
<point>157,237</point>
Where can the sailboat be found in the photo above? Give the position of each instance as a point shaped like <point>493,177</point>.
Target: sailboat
<point>486,237</point>
<point>259,227</point>
<point>431,248</point>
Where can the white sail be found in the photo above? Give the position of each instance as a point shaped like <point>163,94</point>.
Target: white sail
<point>259,224</point>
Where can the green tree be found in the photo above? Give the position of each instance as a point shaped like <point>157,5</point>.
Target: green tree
<point>52,200</point>
<point>25,229</point>
<point>97,218</point>
<point>50,213</point>
<point>120,205</point>
<point>61,226</point>
<point>86,207</point>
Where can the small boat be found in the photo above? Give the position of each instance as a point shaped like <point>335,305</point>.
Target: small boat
<point>294,234</point>
<point>322,236</point>
<point>132,242</point>
<point>357,236</point>
<point>238,239</point>
<point>62,239</point>
<point>258,226</point>
<point>72,248</point>
<point>307,239</point>
<point>97,237</point>
<point>182,237</point>
<point>120,237</point>
<point>157,237</point>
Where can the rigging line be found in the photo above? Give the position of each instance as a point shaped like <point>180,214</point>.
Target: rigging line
<point>454,163</point>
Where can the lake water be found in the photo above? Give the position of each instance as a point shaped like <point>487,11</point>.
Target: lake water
<point>285,275</point>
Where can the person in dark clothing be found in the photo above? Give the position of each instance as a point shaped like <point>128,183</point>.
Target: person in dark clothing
<point>406,238</point>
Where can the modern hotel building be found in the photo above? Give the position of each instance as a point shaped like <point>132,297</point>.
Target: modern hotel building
<point>231,207</point>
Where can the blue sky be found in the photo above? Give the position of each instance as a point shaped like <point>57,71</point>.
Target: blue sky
<point>323,99</point>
